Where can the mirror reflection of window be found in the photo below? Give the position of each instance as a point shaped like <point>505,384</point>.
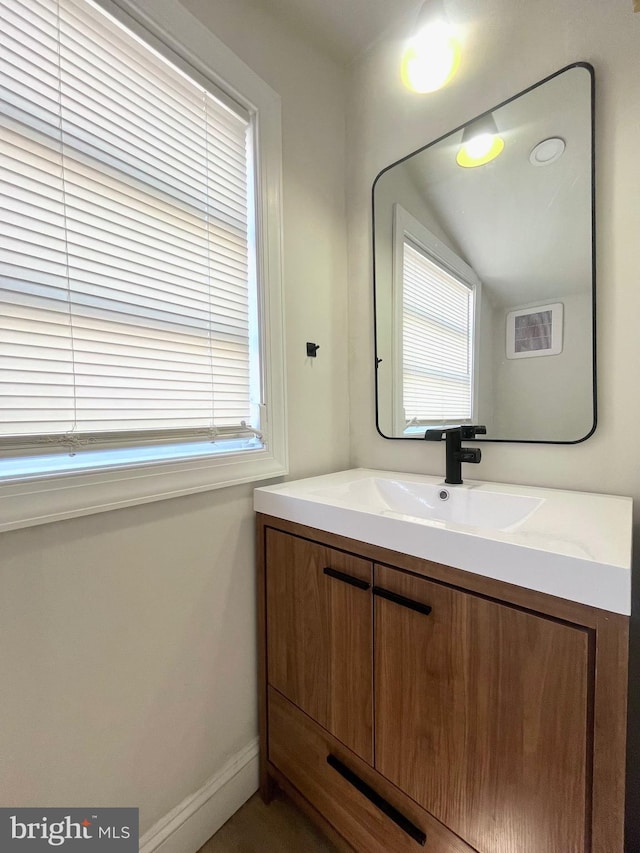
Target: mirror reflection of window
<point>436,295</point>
<point>437,352</point>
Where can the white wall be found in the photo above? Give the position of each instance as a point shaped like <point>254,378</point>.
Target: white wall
<point>127,639</point>
<point>509,46</point>
<point>312,88</point>
<point>486,384</point>
<point>548,396</point>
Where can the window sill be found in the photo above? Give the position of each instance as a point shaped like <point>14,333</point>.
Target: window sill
<point>29,501</point>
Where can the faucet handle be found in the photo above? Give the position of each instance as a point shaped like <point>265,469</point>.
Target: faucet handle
<point>468,431</point>
<point>469,454</point>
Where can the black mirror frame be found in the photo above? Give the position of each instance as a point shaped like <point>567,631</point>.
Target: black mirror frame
<point>588,67</point>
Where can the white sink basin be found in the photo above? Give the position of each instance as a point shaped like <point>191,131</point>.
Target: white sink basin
<point>467,505</point>
<point>571,544</point>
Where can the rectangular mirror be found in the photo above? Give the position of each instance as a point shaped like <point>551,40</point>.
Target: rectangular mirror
<point>484,274</point>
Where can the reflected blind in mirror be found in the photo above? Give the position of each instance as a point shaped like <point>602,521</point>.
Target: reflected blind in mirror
<point>127,302</point>
<point>437,340</point>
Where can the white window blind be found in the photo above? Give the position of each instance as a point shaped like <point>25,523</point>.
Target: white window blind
<point>437,344</point>
<point>128,309</point>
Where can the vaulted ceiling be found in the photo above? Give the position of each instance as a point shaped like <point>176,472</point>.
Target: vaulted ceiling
<point>343,27</point>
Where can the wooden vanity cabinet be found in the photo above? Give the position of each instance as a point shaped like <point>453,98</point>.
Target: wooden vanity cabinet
<point>482,714</point>
<point>406,705</point>
<point>319,635</point>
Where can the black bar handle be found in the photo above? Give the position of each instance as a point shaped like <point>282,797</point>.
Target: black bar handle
<point>384,805</point>
<point>341,576</point>
<point>469,454</point>
<point>401,600</point>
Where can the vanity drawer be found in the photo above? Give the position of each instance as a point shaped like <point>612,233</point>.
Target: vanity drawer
<point>366,810</point>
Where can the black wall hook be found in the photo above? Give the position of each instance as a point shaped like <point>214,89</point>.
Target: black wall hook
<point>312,349</point>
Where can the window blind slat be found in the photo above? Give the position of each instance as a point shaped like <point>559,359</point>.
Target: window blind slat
<point>82,63</point>
<point>113,193</point>
<point>125,293</point>
<point>436,340</point>
<point>125,53</point>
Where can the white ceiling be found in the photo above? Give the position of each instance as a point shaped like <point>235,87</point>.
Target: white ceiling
<point>344,28</point>
<point>525,230</point>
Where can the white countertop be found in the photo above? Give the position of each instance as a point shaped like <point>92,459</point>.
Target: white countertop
<point>574,545</point>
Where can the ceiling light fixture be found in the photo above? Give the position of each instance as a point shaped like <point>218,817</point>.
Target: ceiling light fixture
<point>481,143</point>
<point>431,57</point>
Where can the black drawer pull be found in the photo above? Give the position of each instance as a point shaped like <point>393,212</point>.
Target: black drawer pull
<point>400,599</point>
<point>341,576</point>
<point>360,785</point>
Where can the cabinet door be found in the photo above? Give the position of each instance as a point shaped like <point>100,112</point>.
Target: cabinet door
<point>482,715</point>
<point>319,635</point>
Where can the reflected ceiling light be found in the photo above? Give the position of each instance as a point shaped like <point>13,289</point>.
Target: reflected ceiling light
<point>481,143</point>
<point>431,57</point>
<point>547,151</point>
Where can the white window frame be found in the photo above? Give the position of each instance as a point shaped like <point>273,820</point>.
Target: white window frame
<point>406,226</point>
<point>38,499</point>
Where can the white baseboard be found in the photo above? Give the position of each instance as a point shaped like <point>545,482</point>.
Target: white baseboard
<point>186,828</point>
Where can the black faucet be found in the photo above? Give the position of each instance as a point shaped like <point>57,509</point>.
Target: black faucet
<point>456,453</point>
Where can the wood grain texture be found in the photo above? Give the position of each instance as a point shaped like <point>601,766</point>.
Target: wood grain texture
<point>319,636</point>
<point>482,717</point>
<point>605,741</point>
<point>569,611</point>
<point>298,748</point>
<point>311,812</point>
<point>610,732</point>
<point>266,783</point>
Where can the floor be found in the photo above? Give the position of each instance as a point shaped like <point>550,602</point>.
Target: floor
<point>276,828</point>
